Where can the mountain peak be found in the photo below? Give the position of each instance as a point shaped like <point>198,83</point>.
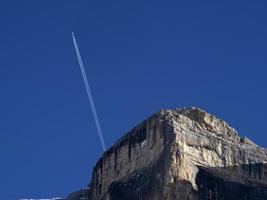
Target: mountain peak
<point>180,154</point>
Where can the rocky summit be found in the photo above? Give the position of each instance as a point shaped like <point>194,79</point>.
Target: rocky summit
<point>182,154</point>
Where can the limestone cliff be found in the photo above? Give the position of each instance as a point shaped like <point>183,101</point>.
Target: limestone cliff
<point>180,154</point>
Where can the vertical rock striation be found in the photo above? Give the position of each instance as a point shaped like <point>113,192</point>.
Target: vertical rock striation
<point>180,154</point>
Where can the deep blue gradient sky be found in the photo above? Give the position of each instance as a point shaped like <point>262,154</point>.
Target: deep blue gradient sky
<point>139,57</point>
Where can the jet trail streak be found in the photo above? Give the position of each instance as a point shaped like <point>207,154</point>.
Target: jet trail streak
<point>89,94</point>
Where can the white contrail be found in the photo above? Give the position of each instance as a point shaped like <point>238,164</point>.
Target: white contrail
<point>89,94</point>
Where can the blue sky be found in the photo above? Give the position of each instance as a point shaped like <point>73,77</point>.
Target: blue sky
<point>140,57</point>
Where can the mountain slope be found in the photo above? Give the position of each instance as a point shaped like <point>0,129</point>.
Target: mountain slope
<point>180,154</point>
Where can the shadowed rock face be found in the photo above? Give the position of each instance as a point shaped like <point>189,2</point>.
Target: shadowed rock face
<point>211,187</point>
<point>145,183</point>
<point>180,154</point>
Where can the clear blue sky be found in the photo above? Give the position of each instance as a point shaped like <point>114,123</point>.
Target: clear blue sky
<point>139,57</point>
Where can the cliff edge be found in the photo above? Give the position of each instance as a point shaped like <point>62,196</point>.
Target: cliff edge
<point>182,154</point>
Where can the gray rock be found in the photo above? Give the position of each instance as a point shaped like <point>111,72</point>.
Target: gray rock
<point>180,154</point>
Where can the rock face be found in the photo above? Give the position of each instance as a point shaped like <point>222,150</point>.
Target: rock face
<point>184,154</point>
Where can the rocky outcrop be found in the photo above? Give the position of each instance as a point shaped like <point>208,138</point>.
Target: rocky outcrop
<point>181,154</point>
